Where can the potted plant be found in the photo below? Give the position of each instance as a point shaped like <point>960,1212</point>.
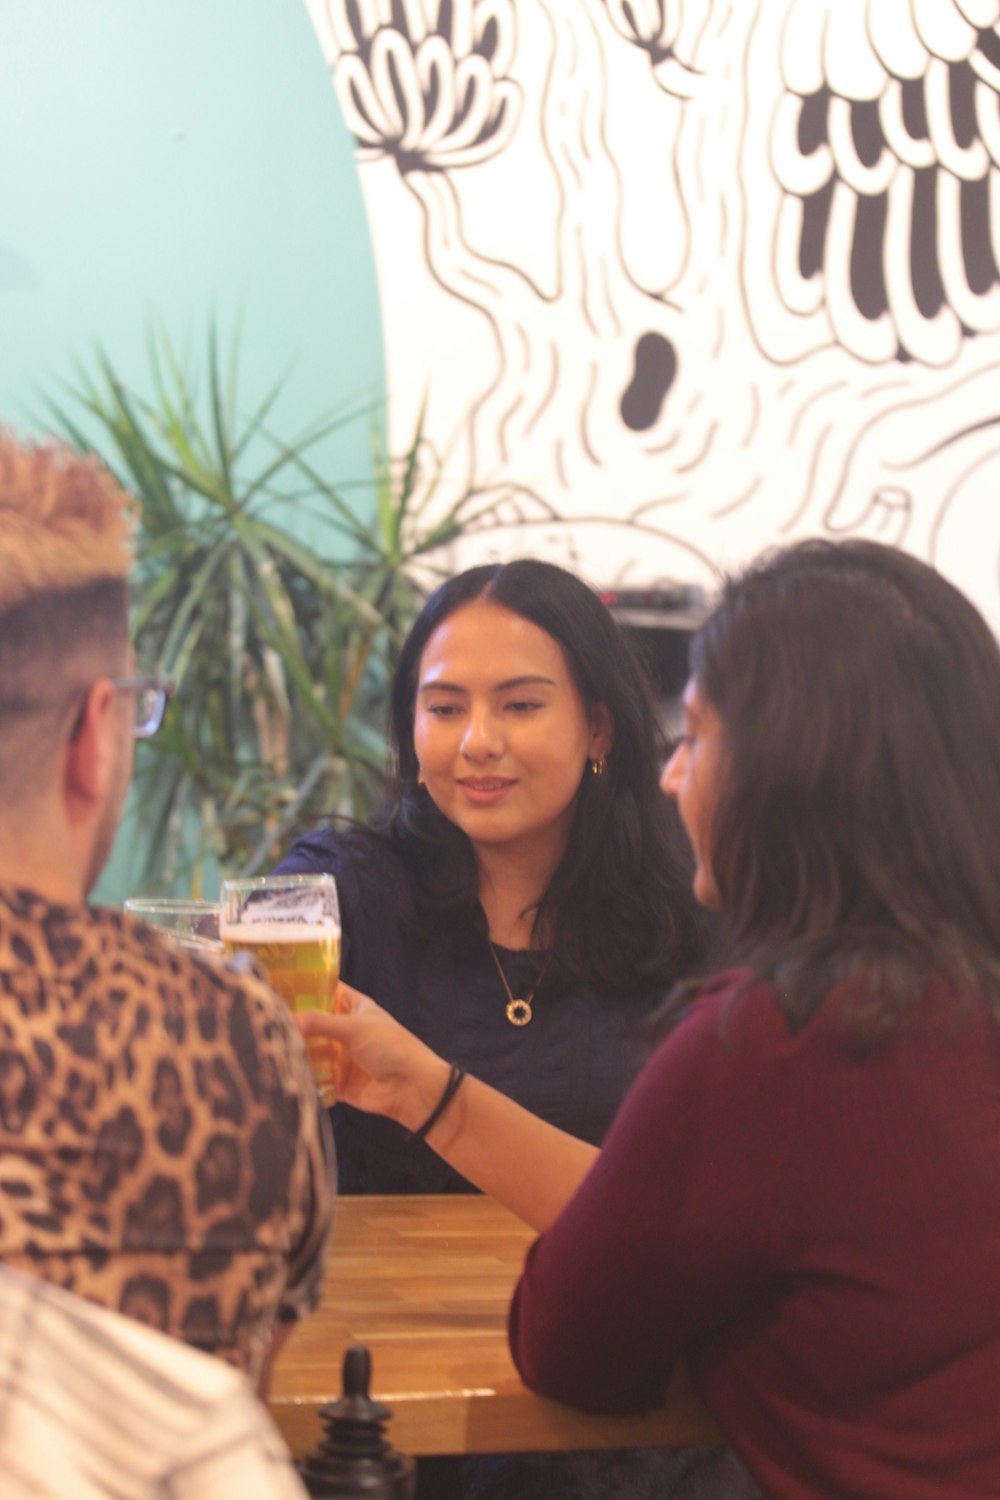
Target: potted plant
<point>281,649</point>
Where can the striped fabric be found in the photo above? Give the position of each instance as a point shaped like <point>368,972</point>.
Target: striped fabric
<point>94,1406</point>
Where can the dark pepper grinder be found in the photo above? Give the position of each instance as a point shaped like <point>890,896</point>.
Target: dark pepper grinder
<point>353,1461</point>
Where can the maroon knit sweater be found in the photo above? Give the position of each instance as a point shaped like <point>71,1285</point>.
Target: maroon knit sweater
<point>819,1233</point>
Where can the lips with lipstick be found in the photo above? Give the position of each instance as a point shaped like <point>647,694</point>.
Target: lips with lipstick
<point>485,789</point>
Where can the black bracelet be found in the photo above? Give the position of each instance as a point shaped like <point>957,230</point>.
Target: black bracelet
<point>451,1088</point>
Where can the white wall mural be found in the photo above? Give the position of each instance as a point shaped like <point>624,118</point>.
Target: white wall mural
<point>680,278</point>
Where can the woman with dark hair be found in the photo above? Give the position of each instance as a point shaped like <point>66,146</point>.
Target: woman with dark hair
<point>522,906</point>
<point>801,1192</point>
<point>524,901</point>
<point>856,824</point>
<point>614,911</point>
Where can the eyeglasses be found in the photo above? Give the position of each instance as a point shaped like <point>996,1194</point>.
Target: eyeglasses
<point>152,694</point>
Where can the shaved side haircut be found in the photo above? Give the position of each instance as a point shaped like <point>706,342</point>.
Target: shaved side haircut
<point>65,554</point>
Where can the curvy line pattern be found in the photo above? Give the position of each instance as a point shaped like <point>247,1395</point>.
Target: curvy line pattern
<point>655,26</point>
<point>887,147</point>
<point>425,81</point>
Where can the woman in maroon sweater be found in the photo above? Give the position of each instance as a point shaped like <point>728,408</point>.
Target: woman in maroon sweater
<point>801,1193</point>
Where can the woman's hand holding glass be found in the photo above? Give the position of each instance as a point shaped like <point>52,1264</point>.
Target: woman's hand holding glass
<point>483,1134</point>
<point>384,1069</point>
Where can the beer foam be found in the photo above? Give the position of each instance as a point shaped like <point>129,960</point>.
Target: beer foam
<point>289,931</point>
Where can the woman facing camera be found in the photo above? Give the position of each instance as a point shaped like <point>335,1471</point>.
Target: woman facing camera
<point>525,902</point>
<point>801,1192</point>
<point>522,907</point>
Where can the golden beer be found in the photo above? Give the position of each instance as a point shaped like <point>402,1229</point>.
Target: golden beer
<point>302,962</point>
<point>291,924</point>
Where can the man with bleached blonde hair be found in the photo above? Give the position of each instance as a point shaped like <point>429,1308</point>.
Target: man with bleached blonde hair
<point>65,686</point>
<point>159,1138</point>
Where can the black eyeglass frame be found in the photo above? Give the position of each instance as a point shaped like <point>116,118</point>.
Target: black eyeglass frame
<point>159,687</point>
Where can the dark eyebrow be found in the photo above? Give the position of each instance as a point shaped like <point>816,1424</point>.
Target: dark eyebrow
<point>440,687</point>
<point>501,687</point>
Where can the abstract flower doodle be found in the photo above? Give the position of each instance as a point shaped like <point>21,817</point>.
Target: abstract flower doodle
<point>425,85</point>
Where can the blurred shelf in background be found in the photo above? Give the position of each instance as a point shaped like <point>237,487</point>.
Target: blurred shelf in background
<point>660,621</point>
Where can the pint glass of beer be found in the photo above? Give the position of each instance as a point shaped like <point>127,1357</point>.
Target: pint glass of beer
<point>291,926</point>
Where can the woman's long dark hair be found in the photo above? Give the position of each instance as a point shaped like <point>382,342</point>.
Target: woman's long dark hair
<point>618,913</point>
<point>857,824</point>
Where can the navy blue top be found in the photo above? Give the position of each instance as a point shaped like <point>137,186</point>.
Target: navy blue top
<point>571,1064</point>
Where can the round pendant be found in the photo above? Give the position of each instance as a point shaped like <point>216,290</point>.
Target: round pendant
<point>519,1012</point>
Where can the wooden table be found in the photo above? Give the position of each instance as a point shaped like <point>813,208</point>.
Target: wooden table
<point>425,1283</point>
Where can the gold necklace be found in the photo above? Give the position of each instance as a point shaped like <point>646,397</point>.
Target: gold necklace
<point>518,1011</point>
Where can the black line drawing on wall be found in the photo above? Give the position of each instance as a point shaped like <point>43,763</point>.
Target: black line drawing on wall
<point>680,278</point>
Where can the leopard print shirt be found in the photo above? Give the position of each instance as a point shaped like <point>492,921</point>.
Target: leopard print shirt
<point>161,1152</point>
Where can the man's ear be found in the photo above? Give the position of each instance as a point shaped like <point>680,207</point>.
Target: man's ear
<point>91,752</point>
<point>602,730</point>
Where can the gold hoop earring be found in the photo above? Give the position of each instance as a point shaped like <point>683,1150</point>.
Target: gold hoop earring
<point>599,765</point>
<point>420,779</point>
